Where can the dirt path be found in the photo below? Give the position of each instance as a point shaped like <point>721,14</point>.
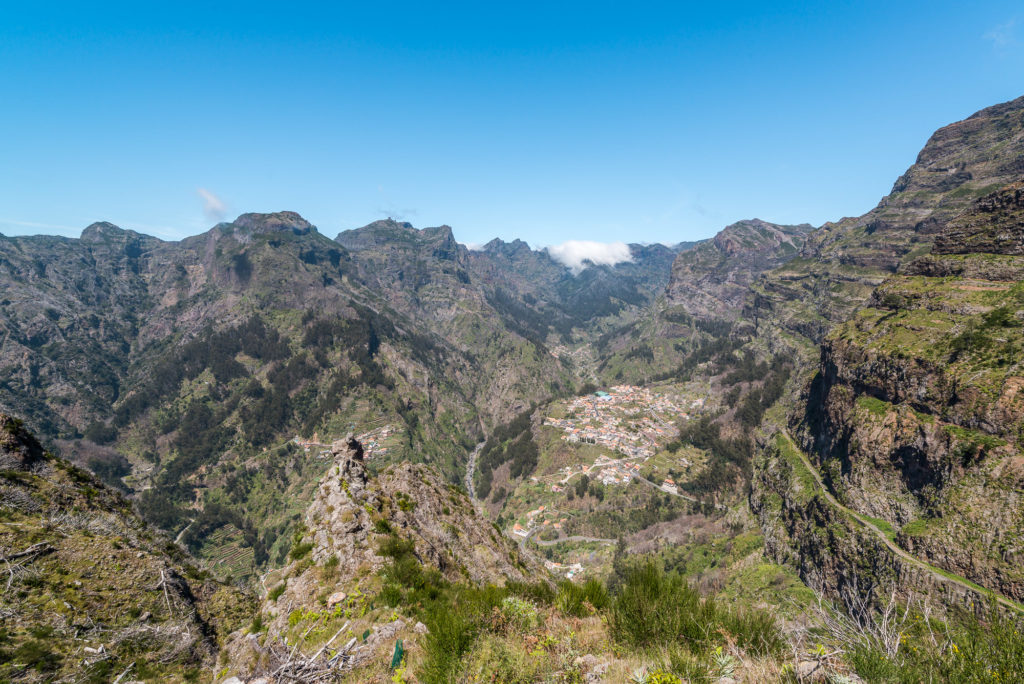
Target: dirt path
<point>720,507</point>
<point>574,538</point>
<point>937,574</point>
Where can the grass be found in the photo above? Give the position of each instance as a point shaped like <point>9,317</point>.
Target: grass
<point>788,451</point>
<point>875,407</point>
<point>654,609</point>
<point>883,525</point>
<point>965,650</point>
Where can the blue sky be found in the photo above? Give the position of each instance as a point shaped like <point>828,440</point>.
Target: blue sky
<point>546,122</point>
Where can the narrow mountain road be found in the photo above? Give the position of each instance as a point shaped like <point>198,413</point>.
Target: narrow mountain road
<point>574,538</point>
<point>937,574</point>
<point>177,540</point>
<point>720,507</point>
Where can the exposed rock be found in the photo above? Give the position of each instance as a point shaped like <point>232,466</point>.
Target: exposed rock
<point>336,598</point>
<point>713,278</point>
<point>993,225</point>
<point>19,449</point>
<point>352,514</point>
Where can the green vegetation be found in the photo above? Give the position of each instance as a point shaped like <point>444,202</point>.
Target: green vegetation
<point>512,632</point>
<point>653,609</point>
<point>510,443</point>
<point>874,406</point>
<point>965,649</point>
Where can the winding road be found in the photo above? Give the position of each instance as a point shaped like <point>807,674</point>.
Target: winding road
<point>720,507</point>
<point>891,545</point>
<point>573,538</point>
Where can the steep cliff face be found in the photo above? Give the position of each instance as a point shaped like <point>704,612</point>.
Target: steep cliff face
<point>840,553</point>
<point>713,278</point>
<point>916,414</point>
<point>841,263</point>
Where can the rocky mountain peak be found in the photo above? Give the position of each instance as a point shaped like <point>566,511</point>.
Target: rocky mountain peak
<point>755,235</point>
<point>720,270</point>
<point>101,231</point>
<point>389,233</point>
<point>277,222</point>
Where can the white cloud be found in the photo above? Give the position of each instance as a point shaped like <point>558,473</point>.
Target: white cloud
<point>578,254</point>
<point>1004,35</point>
<point>213,206</point>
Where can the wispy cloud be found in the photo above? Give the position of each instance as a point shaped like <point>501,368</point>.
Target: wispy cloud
<point>578,254</point>
<point>21,226</point>
<point>213,207</point>
<point>1004,35</point>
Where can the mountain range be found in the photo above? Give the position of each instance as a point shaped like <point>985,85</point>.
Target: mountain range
<point>255,421</point>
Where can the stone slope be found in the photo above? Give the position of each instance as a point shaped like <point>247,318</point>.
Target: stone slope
<point>713,278</point>
<point>841,263</point>
<point>91,591</point>
<point>916,414</point>
<point>334,581</point>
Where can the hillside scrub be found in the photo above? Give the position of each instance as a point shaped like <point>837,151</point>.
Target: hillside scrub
<point>965,649</point>
<point>524,632</point>
<point>654,608</point>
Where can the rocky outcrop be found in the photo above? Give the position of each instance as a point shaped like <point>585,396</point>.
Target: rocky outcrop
<point>841,263</point>
<point>712,279</point>
<point>352,514</point>
<point>994,225</point>
<point>352,511</point>
<point>88,585</point>
<point>915,413</point>
<point>19,449</point>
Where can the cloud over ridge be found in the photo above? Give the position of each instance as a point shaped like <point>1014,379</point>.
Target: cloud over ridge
<point>213,207</point>
<point>578,254</point>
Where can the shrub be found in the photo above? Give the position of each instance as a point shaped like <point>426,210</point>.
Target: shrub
<point>37,655</point>
<point>538,592</point>
<point>450,636</point>
<point>300,550</point>
<point>519,613</point>
<point>276,592</point>
<point>581,600</point>
<point>973,651</point>
<point>654,608</point>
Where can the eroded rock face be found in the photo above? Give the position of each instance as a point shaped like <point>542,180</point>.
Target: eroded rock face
<point>19,450</point>
<point>915,415</point>
<point>994,225</point>
<point>352,514</point>
<point>713,278</point>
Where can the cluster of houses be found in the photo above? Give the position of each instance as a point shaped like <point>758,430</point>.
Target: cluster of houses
<point>569,570</point>
<point>372,441</point>
<point>533,522</point>
<point>609,419</point>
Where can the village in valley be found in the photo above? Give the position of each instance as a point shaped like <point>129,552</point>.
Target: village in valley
<point>632,421</point>
<point>612,439</point>
<point>627,419</point>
